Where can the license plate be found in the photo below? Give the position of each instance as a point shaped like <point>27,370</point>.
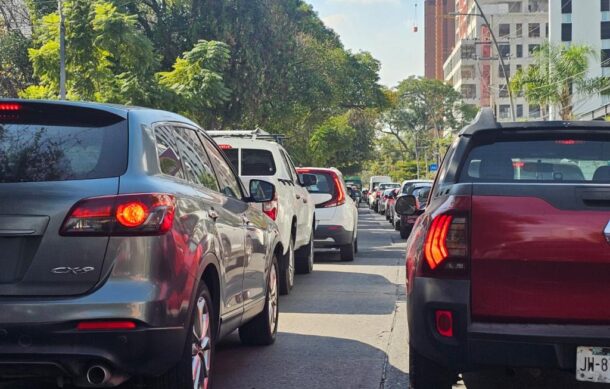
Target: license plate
<point>593,364</point>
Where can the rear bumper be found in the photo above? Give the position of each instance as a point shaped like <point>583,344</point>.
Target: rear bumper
<point>327,236</point>
<point>479,345</point>
<point>60,350</point>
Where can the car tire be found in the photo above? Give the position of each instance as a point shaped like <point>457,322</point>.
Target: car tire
<point>304,257</point>
<point>404,231</point>
<point>262,330</point>
<point>202,345</point>
<point>287,270</point>
<point>427,374</point>
<point>348,251</point>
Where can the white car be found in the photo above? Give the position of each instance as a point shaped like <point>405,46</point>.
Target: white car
<point>336,212</point>
<point>255,155</point>
<point>406,188</point>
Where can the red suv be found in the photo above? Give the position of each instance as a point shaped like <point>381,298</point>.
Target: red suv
<point>510,263</point>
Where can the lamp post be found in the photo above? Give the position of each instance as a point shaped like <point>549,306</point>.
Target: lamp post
<point>62,51</point>
<point>502,63</point>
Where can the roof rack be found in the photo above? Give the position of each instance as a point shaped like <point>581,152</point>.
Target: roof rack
<point>252,134</point>
<point>485,119</point>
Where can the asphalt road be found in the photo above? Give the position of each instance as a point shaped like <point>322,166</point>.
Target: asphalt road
<point>344,326</point>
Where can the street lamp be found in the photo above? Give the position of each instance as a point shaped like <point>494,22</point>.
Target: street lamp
<point>502,63</point>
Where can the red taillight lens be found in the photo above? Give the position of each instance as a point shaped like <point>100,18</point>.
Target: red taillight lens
<point>447,239</point>
<point>225,147</point>
<point>10,107</point>
<point>338,195</point>
<point>270,208</point>
<point>444,323</point>
<point>137,214</point>
<point>105,325</point>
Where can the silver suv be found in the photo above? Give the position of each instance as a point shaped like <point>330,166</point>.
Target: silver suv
<point>126,234</point>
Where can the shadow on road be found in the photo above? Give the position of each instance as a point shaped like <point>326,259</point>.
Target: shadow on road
<point>306,362</point>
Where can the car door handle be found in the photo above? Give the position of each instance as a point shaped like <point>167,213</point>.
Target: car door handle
<point>213,214</point>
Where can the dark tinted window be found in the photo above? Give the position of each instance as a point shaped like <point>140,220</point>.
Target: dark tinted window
<point>325,184</point>
<point>257,163</point>
<point>195,160</point>
<point>233,156</point>
<point>566,6</point>
<point>167,151</point>
<point>557,160</point>
<point>38,152</point>
<point>229,185</point>
<point>605,6</point>
<point>605,30</point>
<point>566,32</point>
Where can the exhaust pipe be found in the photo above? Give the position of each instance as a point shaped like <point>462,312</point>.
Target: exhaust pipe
<point>98,375</point>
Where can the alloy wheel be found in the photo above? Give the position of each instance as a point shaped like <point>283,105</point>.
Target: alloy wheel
<point>273,298</point>
<point>291,264</point>
<point>202,346</point>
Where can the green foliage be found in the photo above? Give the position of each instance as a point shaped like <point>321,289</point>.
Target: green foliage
<point>331,143</point>
<point>557,74</point>
<point>15,67</point>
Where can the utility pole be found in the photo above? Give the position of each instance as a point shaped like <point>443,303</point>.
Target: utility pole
<point>502,63</point>
<point>62,51</point>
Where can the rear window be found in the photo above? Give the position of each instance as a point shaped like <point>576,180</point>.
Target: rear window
<point>39,152</point>
<point>324,185</point>
<point>549,160</point>
<point>256,162</point>
<point>233,156</point>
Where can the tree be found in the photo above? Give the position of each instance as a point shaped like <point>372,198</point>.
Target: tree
<point>557,75</point>
<point>15,67</point>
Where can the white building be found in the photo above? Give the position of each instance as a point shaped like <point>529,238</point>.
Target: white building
<point>474,68</point>
<point>584,22</point>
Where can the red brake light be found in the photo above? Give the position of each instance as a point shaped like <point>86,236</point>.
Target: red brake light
<point>105,325</point>
<point>225,147</point>
<point>270,208</point>
<point>338,195</point>
<point>10,107</point>
<point>134,214</point>
<point>444,323</point>
<point>447,238</point>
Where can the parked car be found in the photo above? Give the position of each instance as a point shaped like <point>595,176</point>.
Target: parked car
<point>389,213</point>
<point>365,196</point>
<point>257,155</point>
<point>374,182</point>
<point>508,266</point>
<point>407,188</point>
<point>385,199</point>
<point>336,213</point>
<point>125,234</point>
<point>404,224</point>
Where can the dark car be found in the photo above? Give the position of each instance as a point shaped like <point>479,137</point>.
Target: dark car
<point>420,191</point>
<point>510,262</point>
<point>129,247</point>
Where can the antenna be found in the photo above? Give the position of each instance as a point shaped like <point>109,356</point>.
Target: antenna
<point>415,19</point>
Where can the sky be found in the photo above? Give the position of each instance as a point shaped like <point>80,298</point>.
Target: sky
<point>382,27</point>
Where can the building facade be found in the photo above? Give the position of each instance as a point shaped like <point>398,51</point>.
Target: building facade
<point>439,36</point>
<point>474,68</point>
<point>584,23</point>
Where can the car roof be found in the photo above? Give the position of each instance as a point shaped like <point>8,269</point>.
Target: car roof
<point>485,121</point>
<point>115,109</point>
<point>416,182</point>
<point>321,169</point>
<point>249,143</point>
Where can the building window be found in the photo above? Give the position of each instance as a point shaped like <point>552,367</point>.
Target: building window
<point>504,30</point>
<point>546,30</point>
<point>534,30</point>
<point>532,48</point>
<point>468,72</point>
<point>504,50</point>
<point>504,111</point>
<point>566,32</point>
<point>519,110</point>
<point>605,6</point>
<point>566,6</point>
<point>605,30</point>
<point>538,6</point>
<point>519,30</point>
<point>501,71</point>
<point>519,51</point>
<point>534,111</point>
<point>469,91</point>
<point>605,58</point>
<point>503,91</point>
<point>514,6</point>
<point>469,51</point>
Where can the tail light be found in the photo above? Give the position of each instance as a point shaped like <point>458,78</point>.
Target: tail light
<point>446,246</point>
<point>338,195</point>
<point>270,208</point>
<point>134,214</point>
<point>105,325</point>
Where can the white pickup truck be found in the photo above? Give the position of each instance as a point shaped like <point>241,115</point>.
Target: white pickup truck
<point>255,155</point>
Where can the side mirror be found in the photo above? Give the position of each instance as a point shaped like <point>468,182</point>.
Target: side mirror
<point>406,205</point>
<point>308,179</point>
<point>261,191</point>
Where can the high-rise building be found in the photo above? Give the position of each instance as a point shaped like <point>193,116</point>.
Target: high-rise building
<point>439,35</point>
<point>584,23</point>
<point>474,67</point>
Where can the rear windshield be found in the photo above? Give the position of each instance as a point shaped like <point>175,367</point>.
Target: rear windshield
<point>38,152</point>
<point>556,160</point>
<point>324,185</point>
<point>255,162</point>
<point>233,155</point>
